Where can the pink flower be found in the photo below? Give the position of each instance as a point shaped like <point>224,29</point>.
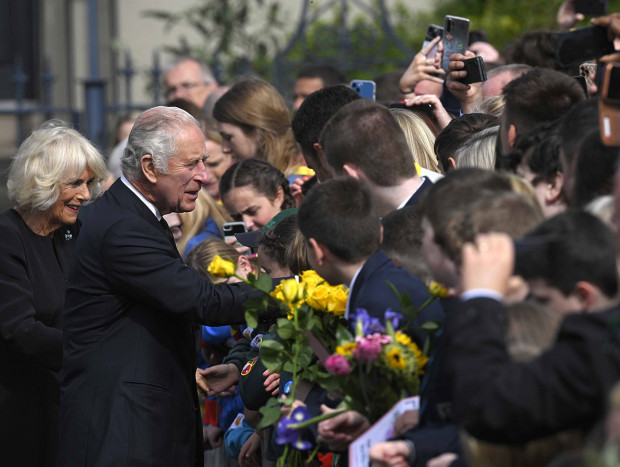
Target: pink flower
<point>368,348</point>
<point>337,365</point>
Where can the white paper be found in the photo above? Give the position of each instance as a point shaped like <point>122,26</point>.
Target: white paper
<point>380,431</point>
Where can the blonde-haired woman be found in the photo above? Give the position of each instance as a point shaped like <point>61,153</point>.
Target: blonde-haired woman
<point>255,123</point>
<point>420,140</point>
<point>55,172</point>
<point>205,221</point>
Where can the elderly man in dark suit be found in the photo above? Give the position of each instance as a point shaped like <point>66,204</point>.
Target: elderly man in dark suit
<point>128,389</point>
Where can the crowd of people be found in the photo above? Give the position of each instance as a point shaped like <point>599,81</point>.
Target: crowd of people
<point>120,347</point>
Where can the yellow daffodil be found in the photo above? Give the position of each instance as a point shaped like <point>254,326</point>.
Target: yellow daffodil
<point>221,268</point>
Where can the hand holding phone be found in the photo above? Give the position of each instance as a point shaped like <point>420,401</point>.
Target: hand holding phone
<point>469,93</point>
<point>422,67</point>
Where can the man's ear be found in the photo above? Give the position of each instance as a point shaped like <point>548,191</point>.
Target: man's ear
<point>554,187</point>
<point>512,135</point>
<point>353,171</point>
<point>452,163</point>
<point>587,294</point>
<point>148,168</point>
<point>319,250</point>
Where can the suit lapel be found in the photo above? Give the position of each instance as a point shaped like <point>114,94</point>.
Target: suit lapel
<point>129,201</point>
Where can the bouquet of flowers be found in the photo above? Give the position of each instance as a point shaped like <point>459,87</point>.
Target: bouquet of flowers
<point>376,367</point>
<point>370,367</point>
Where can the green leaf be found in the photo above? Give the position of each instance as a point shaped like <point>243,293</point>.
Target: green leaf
<point>285,329</point>
<point>430,326</point>
<point>343,335</point>
<point>251,318</point>
<point>264,283</point>
<point>272,344</point>
<point>270,414</point>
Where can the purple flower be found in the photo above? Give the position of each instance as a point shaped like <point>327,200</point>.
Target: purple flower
<point>369,323</point>
<point>394,317</point>
<point>337,365</point>
<point>292,436</point>
<point>368,348</point>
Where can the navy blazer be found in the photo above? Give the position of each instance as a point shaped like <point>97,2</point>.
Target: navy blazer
<point>128,391</point>
<point>372,292</point>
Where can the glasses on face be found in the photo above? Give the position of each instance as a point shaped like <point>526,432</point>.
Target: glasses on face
<point>184,86</point>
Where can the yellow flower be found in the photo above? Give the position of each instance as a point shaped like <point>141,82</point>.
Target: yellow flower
<point>438,290</point>
<point>221,268</point>
<point>346,349</point>
<point>395,359</point>
<point>289,289</point>
<point>420,358</point>
<point>309,280</point>
<point>338,300</point>
<point>319,297</point>
<point>403,338</point>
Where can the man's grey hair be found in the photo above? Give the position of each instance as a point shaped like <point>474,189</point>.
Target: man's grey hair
<point>154,132</point>
<point>515,70</point>
<point>205,70</point>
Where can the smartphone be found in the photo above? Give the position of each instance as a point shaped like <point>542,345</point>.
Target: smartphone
<point>609,106</point>
<point>455,38</point>
<point>432,31</point>
<point>583,83</point>
<point>365,88</point>
<point>582,44</point>
<point>232,228</point>
<point>475,71</point>
<point>591,7</point>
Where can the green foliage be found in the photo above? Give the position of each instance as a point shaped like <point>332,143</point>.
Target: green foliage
<point>245,35</point>
<point>504,20</point>
<point>233,32</point>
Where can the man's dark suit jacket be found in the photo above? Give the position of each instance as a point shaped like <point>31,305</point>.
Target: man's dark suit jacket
<point>565,388</point>
<point>371,291</point>
<point>128,391</point>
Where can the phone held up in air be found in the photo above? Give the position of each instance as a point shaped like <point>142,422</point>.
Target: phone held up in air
<point>475,71</point>
<point>609,106</point>
<point>365,88</point>
<point>231,228</point>
<point>580,45</point>
<point>455,38</point>
<point>432,31</point>
<point>591,7</point>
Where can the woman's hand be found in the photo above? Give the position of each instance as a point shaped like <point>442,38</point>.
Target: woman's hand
<point>423,67</point>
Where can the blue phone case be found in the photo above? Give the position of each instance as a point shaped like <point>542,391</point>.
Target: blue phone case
<point>365,88</point>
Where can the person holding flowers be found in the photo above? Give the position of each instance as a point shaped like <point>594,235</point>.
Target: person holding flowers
<point>340,222</point>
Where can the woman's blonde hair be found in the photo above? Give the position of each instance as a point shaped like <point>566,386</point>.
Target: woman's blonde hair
<point>194,221</point>
<point>479,150</point>
<point>492,106</point>
<point>420,138</point>
<point>258,109</point>
<point>52,155</point>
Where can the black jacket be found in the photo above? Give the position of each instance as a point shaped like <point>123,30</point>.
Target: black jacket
<point>566,387</point>
<point>128,391</point>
